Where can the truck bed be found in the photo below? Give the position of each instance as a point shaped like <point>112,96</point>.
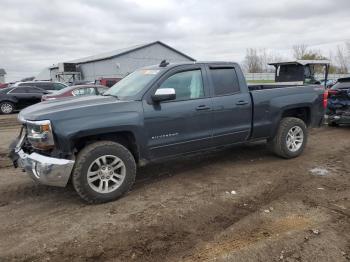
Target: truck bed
<point>270,100</point>
<point>258,86</point>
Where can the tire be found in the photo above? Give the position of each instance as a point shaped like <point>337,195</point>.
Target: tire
<point>333,124</point>
<point>7,107</point>
<point>95,163</point>
<point>281,144</point>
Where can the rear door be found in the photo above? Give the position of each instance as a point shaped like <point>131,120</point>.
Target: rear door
<point>34,95</point>
<point>232,108</point>
<point>21,95</point>
<point>184,124</point>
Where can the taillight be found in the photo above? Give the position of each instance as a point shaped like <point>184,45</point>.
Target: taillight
<point>325,99</point>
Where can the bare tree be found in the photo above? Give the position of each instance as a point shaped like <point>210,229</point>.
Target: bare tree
<point>257,60</point>
<point>341,60</point>
<point>252,61</point>
<point>299,51</point>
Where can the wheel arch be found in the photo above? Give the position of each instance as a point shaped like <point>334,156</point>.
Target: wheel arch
<point>125,138</point>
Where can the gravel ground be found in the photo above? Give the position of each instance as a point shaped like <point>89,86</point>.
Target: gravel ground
<point>240,204</point>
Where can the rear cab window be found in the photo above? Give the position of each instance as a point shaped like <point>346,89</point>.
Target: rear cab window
<point>224,80</point>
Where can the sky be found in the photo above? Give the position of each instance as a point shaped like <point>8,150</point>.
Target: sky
<point>35,34</point>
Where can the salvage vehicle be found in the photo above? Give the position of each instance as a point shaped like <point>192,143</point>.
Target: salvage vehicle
<point>156,113</point>
<point>16,98</point>
<point>338,109</point>
<point>78,90</point>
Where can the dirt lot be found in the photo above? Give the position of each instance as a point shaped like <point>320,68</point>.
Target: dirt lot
<point>241,204</point>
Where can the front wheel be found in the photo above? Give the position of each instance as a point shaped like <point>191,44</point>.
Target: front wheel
<point>103,172</point>
<point>290,139</point>
<point>7,107</point>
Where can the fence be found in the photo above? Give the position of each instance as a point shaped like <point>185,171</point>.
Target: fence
<point>271,76</point>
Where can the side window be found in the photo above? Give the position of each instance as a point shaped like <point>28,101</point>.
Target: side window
<point>187,85</point>
<point>26,84</point>
<point>101,90</point>
<point>225,81</point>
<point>35,90</point>
<point>45,86</point>
<point>19,90</point>
<point>58,86</point>
<point>86,91</point>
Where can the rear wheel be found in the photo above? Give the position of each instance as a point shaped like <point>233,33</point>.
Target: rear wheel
<point>103,172</point>
<point>7,107</point>
<point>290,139</point>
<point>333,124</point>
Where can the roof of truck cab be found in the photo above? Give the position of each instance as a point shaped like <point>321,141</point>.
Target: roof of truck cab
<point>302,62</point>
<point>171,65</point>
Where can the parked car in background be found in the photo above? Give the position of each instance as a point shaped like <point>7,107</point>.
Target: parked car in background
<point>109,82</point>
<point>79,90</point>
<point>45,85</point>
<point>4,85</point>
<point>338,109</point>
<point>81,82</point>
<point>16,98</point>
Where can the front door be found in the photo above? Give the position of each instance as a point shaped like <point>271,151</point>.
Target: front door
<point>184,124</point>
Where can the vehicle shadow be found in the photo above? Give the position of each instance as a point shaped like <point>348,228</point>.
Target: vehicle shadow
<point>152,173</point>
<point>158,171</point>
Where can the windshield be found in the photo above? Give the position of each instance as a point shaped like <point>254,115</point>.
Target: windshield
<point>132,84</point>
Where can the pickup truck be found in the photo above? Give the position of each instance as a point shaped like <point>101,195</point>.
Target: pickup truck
<point>156,113</point>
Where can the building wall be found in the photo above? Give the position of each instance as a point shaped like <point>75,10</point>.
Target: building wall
<point>124,64</point>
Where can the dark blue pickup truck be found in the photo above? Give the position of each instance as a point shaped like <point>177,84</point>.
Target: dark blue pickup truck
<point>156,113</point>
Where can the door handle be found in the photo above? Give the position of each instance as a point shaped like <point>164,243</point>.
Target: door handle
<point>241,103</point>
<point>202,107</point>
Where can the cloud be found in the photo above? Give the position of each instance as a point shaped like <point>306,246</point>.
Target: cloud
<point>37,33</point>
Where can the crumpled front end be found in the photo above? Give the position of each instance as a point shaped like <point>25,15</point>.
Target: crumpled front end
<point>46,170</point>
<point>43,169</point>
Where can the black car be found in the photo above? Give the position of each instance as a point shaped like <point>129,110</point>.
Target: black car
<point>338,109</point>
<point>46,85</point>
<point>16,98</point>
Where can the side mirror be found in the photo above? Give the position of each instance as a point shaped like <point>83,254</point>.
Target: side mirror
<point>164,94</point>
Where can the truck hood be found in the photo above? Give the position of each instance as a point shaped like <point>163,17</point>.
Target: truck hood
<point>75,107</point>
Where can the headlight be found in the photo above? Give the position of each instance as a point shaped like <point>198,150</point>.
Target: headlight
<point>39,134</point>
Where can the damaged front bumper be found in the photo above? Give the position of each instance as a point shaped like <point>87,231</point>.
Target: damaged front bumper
<point>42,169</point>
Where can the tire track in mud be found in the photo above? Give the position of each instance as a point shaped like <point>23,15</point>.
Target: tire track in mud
<point>170,239</point>
<point>32,191</point>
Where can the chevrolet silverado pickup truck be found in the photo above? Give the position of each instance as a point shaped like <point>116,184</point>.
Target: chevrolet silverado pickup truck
<point>156,113</point>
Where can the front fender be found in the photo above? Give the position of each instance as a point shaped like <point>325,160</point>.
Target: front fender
<point>69,130</point>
